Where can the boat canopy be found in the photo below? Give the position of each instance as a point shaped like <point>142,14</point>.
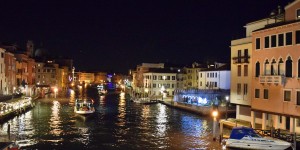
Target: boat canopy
<point>240,132</point>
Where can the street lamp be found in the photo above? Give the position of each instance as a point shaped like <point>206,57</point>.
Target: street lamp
<point>214,114</point>
<point>227,98</point>
<point>55,91</point>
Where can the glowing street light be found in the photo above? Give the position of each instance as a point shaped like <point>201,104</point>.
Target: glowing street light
<point>215,115</point>
<point>55,92</point>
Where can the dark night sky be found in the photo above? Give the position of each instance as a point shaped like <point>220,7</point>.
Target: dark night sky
<point>118,35</point>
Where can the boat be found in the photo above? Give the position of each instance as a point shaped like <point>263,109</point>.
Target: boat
<point>84,107</point>
<point>248,138</point>
<point>144,100</point>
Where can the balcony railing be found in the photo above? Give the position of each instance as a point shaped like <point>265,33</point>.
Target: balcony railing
<point>271,79</point>
<point>241,59</point>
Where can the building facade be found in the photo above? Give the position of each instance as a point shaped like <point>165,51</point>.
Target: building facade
<point>276,72</point>
<point>159,82</point>
<point>10,72</point>
<point>215,77</point>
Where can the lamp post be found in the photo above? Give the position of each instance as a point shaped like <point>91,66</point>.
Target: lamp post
<point>214,114</point>
<point>227,98</point>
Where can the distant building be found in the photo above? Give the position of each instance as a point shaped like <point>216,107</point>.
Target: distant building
<point>216,76</point>
<point>138,77</point>
<point>85,77</point>
<point>100,77</point>
<point>159,82</point>
<point>3,85</point>
<point>46,73</point>
<point>10,72</point>
<point>190,76</point>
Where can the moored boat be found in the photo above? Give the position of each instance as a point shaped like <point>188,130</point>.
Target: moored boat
<point>247,138</point>
<point>84,106</point>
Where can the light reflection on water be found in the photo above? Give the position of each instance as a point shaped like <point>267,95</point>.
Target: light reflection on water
<point>117,124</point>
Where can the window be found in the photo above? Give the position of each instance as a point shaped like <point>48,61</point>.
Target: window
<point>267,42</point>
<point>246,70</point>
<point>298,37</point>
<point>245,52</point>
<point>287,96</point>
<point>216,75</point>
<point>288,38</point>
<point>298,14</point>
<point>154,77</point>
<point>200,83</point>
<point>245,89</point>
<point>200,75</point>
<point>299,68</point>
<point>208,75</point>
<point>257,43</point>
<point>239,70</point>
<point>257,69</point>
<point>266,94</point>
<point>297,122</point>
<point>280,67</point>
<point>288,67</point>
<point>239,89</point>
<point>280,40</point>
<point>280,119</point>
<point>273,71</point>
<point>2,55</point>
<point>298,98</point>
<point>256,93</point>
<point>273,41</point>
<point>173,77</point>
<point>154,85</point>
<point>216,84</point>
<point>239,56</point>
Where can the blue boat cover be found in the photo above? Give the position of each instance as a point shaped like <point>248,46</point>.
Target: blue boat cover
<point>239,132</point>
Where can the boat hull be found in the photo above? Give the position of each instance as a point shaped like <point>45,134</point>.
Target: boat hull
<point>256,145</point>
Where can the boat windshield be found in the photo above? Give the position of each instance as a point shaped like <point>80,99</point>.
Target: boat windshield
<point>239,133</point>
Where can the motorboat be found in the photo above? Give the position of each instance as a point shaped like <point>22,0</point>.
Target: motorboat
<point>84,106</point>
<point>248,138</point>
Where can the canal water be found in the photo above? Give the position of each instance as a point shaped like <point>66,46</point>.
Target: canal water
<point>117,124</point>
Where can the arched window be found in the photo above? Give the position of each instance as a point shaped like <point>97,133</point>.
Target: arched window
<point>288,67</point>
<point>280,67</point>
<point>257,69</point>
<point>267,68</point>
<point>273,69</point>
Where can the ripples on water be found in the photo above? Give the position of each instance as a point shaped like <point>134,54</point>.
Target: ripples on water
<point>117,124</point>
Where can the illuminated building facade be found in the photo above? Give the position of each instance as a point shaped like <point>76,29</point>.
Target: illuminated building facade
<point>241,70</point>
<point>159,81</point>
<point>3,85</point>
<point>10,72</point>
<point>276,72</point>
<point>138,77</point>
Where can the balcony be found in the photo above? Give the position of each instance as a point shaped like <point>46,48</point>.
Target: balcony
<point>271,79</point>
<point>241,59</point>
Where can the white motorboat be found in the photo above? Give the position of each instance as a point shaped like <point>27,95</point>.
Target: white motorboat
<point>84,107</point>
<point>247,138</point>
